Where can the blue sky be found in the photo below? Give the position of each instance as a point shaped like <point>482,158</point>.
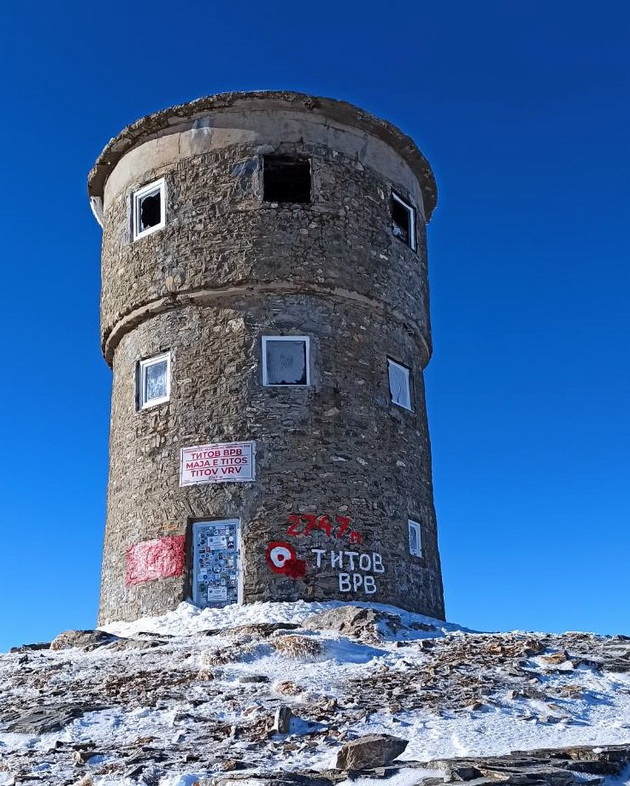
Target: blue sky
<point>523,110</point>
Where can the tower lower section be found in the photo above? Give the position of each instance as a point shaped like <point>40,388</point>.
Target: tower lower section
<point>236,492</point>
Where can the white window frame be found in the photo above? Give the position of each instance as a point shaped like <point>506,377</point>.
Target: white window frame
<point>143,365</point>
<point>407,371</point>
<point>416,526</point>
<point>157,186</point>
<point>412,242</point>
<point>265,377</point>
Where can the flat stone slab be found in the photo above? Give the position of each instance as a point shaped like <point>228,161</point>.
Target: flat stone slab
<point>545,767</point>
<point>82,639</point>
<point>47,719</point>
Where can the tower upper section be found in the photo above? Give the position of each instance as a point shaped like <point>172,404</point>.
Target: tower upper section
<point>233,234</point>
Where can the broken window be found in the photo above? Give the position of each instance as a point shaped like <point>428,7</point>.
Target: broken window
<point>154,380</point>
<point>286,179</point>
<point>404,221</point>
<point>148,209</point>
<point>285,360</point>
<point>415,538</point>
<point>399,384</point>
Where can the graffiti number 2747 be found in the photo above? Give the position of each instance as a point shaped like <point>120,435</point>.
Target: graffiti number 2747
<point>305,523</point>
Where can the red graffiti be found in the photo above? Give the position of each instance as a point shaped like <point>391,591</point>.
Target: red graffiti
<point>324,524</point>
<point>293,526</point>
<point>344,525</point>
<point>311,520</point>
<point>317,522</point>
<point>155,559</point>
<point>295,568</point>
<point>281,558</point>
<point>278,554</point>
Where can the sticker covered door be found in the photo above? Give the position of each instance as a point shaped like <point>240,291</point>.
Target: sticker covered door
<point>216,568</point>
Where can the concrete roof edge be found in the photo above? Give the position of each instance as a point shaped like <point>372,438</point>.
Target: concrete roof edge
<point>341,111</point>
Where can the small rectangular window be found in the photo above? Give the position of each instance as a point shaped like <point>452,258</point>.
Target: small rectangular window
<point>285,360</point>
<point>154,381</point>
<point>415,538</point>
<point>404,221</point>
<point>286,179</point>
<point>399,383</point>
<point>148,210</point>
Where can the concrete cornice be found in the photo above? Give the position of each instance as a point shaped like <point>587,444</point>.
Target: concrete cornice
<point>221,297</point>
<point>183,116</point>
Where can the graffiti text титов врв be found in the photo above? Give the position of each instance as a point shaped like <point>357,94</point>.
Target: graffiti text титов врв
<point>356,571</point>
<point>362,565</point>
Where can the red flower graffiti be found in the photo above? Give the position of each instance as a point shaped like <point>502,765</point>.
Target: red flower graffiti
<point>281,558</point>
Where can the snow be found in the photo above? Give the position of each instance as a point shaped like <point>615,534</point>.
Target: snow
<point>621,780</point>
<point>187,619</point>
<point>404,777</point>
<point>574,705</point>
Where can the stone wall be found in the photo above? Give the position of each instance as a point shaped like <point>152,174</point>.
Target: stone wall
<point>220,234</point>
<point>227,269</point>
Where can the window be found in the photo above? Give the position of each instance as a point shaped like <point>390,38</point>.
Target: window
<point>399,384</point>
<point>285,360</point>
<point>154,381</point>
<point>286,179</point>
<point>148,209</point>
<point>404,221</point>
<point>415,538</point>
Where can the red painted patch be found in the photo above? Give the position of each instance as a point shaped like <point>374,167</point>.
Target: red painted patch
<point>155,559</point>
<point>295,568</point>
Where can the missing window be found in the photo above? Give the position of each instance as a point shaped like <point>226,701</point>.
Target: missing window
<point>148,209</point>
<point>286,360</point>
<point>286,179</point>
<point>399,384</point>
<point>415,538</point>
<point>404,221</point>
<point>154,381</point>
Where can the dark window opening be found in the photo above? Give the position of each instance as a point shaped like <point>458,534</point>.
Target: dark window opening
<point>402,220</point>
<point>286,179</point>
<point>150,211</point>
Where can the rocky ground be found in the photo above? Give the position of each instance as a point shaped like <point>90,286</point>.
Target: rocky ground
<point>290,695</point>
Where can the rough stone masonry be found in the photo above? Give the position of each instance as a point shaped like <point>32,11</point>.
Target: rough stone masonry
<point>223,485</point>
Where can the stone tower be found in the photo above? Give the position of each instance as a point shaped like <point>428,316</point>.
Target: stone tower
<point>265,312</point>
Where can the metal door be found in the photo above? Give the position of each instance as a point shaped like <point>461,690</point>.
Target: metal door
<point>216,563</point>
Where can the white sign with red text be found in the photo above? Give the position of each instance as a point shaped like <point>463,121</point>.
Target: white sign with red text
<point>230,462</point>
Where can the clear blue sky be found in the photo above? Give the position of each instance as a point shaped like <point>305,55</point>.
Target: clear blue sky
<point>523,110</point>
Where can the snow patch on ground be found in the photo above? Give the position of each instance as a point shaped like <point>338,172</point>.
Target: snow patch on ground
<point>620,780</point>
<point>187,620</point>
<point>404,777</point>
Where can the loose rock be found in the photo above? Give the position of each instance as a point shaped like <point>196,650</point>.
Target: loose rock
<point>370,751</point>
